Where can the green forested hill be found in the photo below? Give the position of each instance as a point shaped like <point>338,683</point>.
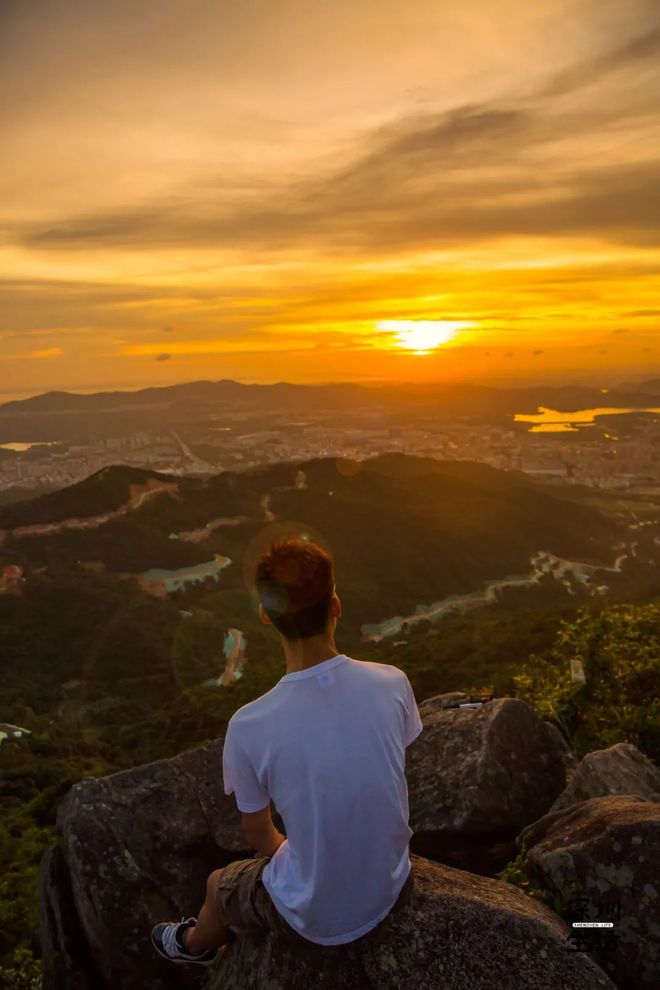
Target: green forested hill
<point>103,491</point>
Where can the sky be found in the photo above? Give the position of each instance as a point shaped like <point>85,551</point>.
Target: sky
<point>328,190</point>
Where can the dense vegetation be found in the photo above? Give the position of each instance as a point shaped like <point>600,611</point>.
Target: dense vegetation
<point>106,677</point>
<point>103,491</point>
<point>619,650</point>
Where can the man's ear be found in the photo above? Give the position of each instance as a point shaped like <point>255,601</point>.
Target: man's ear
<point>264,618</point>
<point>337,602</point>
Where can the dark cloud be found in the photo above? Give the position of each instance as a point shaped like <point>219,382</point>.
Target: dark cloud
<point>162,357</point>
<point>536,353</point>
<point>470,173</point>
<point>410,193</point>
<point>632,54</point>
<point>475,172</point>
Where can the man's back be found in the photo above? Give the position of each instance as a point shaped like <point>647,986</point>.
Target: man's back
<point>327,746</point>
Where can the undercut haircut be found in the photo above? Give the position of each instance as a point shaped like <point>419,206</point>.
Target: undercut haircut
<point>295,582</point>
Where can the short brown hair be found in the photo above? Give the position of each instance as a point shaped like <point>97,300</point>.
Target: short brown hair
<point>295,581</point>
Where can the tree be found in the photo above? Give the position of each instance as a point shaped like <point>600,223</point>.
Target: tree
<point>620,653</point>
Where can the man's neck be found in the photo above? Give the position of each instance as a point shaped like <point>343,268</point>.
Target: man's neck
<point>308,653</point>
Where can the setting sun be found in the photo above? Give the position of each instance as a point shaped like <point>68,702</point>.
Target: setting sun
<point>421,336</point>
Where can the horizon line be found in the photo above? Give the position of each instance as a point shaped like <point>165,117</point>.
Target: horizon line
<point>21,395</point>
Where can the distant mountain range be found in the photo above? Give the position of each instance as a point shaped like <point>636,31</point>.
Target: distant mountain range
<point>69,416</point>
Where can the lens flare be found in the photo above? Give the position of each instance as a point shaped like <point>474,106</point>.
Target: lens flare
<point>348,466</point>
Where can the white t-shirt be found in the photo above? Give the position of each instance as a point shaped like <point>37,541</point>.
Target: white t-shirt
<point>327,746</point>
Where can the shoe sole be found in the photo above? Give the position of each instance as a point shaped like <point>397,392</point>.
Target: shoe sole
<point>192,960</point>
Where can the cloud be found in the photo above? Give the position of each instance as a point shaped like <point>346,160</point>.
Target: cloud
<point>468,173</point>
<point>632,54</point>
<point>190,348</point>
<point>451,168</point>
<point>431,186</point>
<point>537,352</point>
<point>44,354</point>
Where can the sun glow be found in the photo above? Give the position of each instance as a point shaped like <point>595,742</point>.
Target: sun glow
<point>421,336</point>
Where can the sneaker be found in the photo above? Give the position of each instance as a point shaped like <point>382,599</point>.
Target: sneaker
<point>167,939</point>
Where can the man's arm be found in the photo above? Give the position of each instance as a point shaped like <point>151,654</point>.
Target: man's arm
<point>260,831</point>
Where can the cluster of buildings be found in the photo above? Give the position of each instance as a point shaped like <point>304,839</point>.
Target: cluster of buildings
<point>589,455</point>
<point>58,465</point>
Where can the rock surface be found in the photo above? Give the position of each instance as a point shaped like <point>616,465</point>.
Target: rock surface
<point>607,850</point>
<point>136,848</point>
<point>621,769</point>
<point>439,702</point>
<point>477,776</point>
<point>66,957</point>
<point>459,932</point>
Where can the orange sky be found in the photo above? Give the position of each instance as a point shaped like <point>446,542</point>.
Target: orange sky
<point>224,190</point>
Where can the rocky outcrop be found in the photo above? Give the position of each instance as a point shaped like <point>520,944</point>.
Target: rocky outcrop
<point>621,769</point>
<point>477,776</point>
<point>135,848</point>
<point>603,856</point>
<point>458,931</point>
<point>65,954</point>
<point>438,702</point>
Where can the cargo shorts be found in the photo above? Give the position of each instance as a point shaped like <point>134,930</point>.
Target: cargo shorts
<point>248,910</point>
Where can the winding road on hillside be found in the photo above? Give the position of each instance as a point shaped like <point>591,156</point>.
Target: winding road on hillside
<point>543,563</point>
<point>137,496</point>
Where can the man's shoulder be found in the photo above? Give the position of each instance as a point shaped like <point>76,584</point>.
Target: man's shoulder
<point>382,671</point>
<point>254,710</point>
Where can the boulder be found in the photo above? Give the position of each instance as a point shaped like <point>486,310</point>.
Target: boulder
<point>602,857</point>
<point>439,702</point>
<point>566,754</point>
<point>65,955</point>
<point>135,848</point>
<point>476,776</point>
<point>459,931</point>
<point>621,769</point>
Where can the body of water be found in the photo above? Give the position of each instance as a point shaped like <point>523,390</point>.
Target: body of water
<point>8,731</point>
<point>554,421</point>
<point>19,446</point>
<point>176,579</point>
<point>234,652</point>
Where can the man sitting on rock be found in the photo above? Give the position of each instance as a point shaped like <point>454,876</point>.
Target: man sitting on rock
<point>327,745</point>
